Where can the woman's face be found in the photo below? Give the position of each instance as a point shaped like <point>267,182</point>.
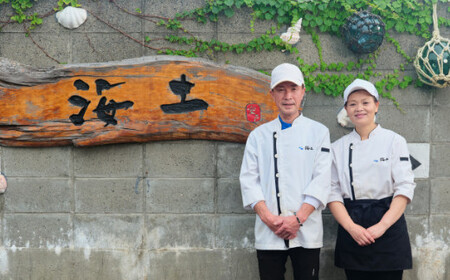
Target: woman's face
<point>361,108</point>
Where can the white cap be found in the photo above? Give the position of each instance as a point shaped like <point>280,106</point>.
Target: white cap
<point>286,72</point>
<point>359,84</point>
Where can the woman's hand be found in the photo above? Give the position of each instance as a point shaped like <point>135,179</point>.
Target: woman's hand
<point>361,235</point>
<point>377,230</point>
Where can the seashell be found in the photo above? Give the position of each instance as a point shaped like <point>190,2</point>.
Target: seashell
<point>292,35</point>
<point>343,119</point>
<point>71,17</point>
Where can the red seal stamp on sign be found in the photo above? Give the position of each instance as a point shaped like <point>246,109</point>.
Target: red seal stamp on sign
<point>253,112</point>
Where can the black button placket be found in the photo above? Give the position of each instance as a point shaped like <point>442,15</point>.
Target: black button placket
<point>275,161</point>
<point>350,169</point>
<point>277,193</point>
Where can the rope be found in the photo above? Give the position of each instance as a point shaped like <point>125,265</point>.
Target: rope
<point>435,21</point>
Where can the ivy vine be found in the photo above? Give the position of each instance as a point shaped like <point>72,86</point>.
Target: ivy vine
<point>326,16</point>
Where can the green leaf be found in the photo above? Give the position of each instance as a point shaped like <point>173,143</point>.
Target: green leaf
<point>229,12</point>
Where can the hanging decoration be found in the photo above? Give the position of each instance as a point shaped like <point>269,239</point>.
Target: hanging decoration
<point>363,32</point>
<point>432,62</point>
<point>292,35</point>
<point>71,17</point>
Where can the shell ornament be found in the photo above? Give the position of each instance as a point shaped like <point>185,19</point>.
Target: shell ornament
<point>71,17</point>
<point>292,35</point>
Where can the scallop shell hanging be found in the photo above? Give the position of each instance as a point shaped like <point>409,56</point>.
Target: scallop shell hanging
<point>71,17</point>
<point>292,35</point>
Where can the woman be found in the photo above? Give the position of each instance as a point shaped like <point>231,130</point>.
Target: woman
<point>371,184</point>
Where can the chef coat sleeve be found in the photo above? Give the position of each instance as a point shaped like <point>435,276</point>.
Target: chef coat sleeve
<point>319,186</point>
<point>249,177</point>
<point>336,191</point>
<point>401,172</point>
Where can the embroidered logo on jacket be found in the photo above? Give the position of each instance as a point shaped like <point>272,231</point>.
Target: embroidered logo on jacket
<point>307,148</point>
<point>381,159</point>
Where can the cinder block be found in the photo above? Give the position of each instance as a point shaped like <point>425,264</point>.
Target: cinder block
<point>189,265</point>
<point>229,197</point>
<point>418,229</point>
<point>401,123</point>
<point>180,196</point>
<point>159,43</point>
<point>440,228</point>
<point>180,231</point>
<point>109,196</point>
<point>328,271</point>
<point>178,159</point>
<point>420,204</point>
<point>229,159</point>
<point>102,47</point>
<point>440,196</point>
<point>439,161</point>
<point>441,124</point>
<point>37,162</point>
<point>389,58</point>
<point>37,230</point>
<point>312,99</point>
<point>243,264</point>
<point>170,11</point>
<point>108,161</point>
<point>441,97</point>
<point>327,116</point>
<point>109,264</point>
<point>64,263</point>
<point>38,195</point>
<point>23,50</point>
<point>334,49</point>
<point>236,232</point>
<point>411,96</point>
<point>330,227</point>
<point>108,232</point>
<point>111,14</point>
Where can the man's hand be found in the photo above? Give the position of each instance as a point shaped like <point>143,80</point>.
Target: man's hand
<point>289,228</point>
<point>274,222</point>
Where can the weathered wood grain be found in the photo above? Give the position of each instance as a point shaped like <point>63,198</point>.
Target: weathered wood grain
<point>222,102</point>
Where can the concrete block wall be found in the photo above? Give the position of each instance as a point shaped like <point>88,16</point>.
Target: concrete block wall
<point>172,210</point>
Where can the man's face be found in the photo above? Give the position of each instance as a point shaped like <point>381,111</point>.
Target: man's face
<point>288,97</point>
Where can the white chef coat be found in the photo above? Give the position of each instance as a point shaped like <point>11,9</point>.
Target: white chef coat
<point>304,162</point>
<point>380,166</point>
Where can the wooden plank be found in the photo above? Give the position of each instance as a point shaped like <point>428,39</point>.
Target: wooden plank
<point>139,100</point>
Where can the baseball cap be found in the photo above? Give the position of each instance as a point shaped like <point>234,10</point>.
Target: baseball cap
<point>359,84</point>
<point>286,72</point>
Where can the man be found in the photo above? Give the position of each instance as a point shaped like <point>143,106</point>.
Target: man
<point>285,178</point>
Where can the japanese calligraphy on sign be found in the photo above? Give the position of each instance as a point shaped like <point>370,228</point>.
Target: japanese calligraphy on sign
<point>105,112</point>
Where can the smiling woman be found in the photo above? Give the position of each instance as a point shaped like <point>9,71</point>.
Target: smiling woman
<point>371,184</point>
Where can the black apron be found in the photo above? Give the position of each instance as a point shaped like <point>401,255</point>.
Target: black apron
<point>392,251</point>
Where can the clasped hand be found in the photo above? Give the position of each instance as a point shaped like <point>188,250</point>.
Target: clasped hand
<point>367,236</point>
<point>284,227</point>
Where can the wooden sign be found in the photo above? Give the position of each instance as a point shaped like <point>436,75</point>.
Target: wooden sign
<point>138,100</point>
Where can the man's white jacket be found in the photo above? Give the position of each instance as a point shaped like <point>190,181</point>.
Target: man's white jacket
<point>301,156</point>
